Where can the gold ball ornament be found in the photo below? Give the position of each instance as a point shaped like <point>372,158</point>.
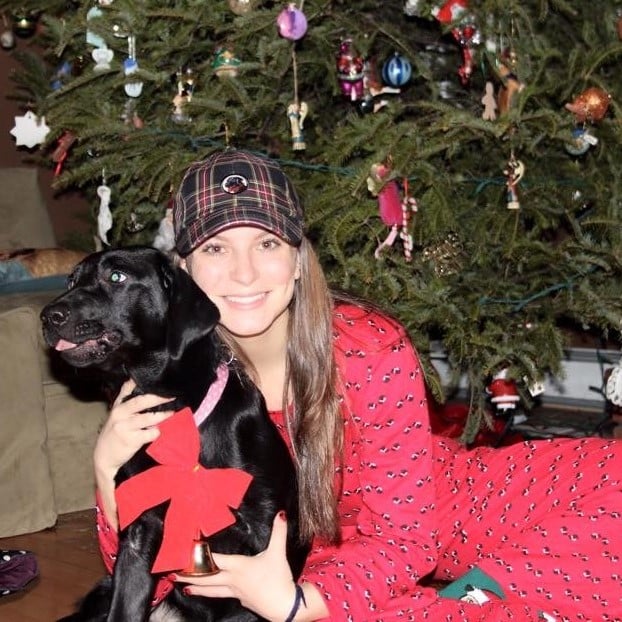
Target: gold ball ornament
<point>591,105</point>
<point>25,23</point>
<point>242,7</point>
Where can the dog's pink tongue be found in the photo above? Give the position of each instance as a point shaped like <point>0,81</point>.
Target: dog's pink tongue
<point>63,344</point>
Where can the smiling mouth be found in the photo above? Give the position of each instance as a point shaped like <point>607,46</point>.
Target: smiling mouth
<point>246,300</point>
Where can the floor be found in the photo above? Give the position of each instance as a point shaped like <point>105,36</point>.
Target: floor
<point>69,565</point>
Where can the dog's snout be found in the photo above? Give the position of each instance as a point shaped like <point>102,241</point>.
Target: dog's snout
<point>56,315</point>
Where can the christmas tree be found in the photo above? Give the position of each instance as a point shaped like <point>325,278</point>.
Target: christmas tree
<point>458,163</point>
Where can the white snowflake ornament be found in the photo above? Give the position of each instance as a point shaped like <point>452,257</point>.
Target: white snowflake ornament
<point>29,130</point>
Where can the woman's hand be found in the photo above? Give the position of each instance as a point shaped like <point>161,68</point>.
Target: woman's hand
<point>126,430</point>
<point>263,583</point>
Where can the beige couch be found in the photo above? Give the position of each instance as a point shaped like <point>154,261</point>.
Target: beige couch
<point>47,432</point>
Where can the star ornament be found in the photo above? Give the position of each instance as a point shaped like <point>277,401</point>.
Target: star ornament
<point>29,130</point>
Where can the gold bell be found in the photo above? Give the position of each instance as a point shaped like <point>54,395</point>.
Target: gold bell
<point>202,562</point>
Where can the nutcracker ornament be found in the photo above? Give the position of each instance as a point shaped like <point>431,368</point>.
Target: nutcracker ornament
<point>514,171</point>
<point>454,13</point>
<point>394,205</point>
<point>350,71</point>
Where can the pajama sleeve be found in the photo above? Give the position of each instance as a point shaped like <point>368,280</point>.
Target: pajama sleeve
<point>387,503</point>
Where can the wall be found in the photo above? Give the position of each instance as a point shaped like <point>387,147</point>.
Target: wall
<point>69,211</point>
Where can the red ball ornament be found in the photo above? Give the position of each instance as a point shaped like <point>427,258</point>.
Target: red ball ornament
<point>292,23</point>
<point>591,105</point>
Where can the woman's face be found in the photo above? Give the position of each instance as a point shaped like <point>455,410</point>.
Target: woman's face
<point>249,274</point>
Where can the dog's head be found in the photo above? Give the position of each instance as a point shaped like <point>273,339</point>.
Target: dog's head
<point>129,312</point>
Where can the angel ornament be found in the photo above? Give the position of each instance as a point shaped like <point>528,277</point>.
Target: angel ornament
<point>394,205</point>
<point>514,172</point>
<point>297,113</point>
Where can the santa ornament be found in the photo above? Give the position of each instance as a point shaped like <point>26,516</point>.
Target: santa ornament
<point>350,71</point>
<point>394,206</point>
<point>503,392</point>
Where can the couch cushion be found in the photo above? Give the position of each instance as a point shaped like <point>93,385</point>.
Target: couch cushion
<point>26,490</point>
<point>24,219</point>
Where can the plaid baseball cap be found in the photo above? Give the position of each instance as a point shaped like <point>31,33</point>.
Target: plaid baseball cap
<point>234,188</point>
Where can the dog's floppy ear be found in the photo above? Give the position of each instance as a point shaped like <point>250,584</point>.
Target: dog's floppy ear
<point>191,314</point>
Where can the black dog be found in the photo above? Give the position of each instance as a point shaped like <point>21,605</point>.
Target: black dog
<point>132,314</point>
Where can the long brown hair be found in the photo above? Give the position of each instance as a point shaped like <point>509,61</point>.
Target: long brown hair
<point>316,423</point>
<point>311,399</point>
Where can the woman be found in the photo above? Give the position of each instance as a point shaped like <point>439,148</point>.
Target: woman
<point>528,532</point>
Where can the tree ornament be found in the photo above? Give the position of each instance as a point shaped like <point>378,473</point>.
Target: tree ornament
<point>503,392</point>
<point>133,88</point>
<point>292,23</point>
<point>92,38</point>
<point>445,256</point>
<point>489,102</point>
<point>590,106</point>
<point>165,237</point>
<point>225,63</point>
<point>373,88</point>
<point>454,13</point>
<point>25,23</point>
<point>29,130</point>
<point>350,67</point>
<point>581,141</point>
<point>514,171</point>
<point>297,113</point>
<point>511,86</point>
<point>104,215</point>
<point>413,8</point>
<point>242,7</point>
<point>613,386</point>
<point>102,57</point>
<point>7,37</point>
<point>394,206</point>
<point>397,70</point>
<point>59,155</point>
<point>186,83</point>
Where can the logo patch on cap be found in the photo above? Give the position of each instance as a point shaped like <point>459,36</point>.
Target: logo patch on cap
<point>234,184</point>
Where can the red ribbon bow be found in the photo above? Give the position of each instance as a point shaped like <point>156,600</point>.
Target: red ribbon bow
<point>200,499</point>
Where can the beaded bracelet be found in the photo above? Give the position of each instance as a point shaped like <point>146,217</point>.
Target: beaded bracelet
<point>299,598</point>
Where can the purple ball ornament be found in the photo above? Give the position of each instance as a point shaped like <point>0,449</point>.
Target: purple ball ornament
<point>292,23</point>
<point>396,71</point>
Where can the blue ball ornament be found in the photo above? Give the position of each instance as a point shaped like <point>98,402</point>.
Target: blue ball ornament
<point>396,71</point>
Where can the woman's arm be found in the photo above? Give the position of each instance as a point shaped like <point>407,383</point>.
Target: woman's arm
<point>126,430</point>
<point>387,506</point>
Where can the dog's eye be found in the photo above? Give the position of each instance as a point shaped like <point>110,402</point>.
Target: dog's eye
<point>117,277</point>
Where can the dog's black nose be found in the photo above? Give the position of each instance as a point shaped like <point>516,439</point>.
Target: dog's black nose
<point>56,315</point>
